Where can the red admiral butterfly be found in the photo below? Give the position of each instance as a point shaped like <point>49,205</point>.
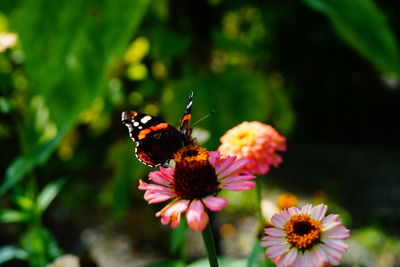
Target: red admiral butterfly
<point>156,140</point>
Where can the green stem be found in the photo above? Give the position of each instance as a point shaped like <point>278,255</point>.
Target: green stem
<point>210,246</point>
<point>261,219</point>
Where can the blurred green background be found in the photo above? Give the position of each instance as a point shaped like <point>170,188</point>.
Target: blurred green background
<point>324,73</point>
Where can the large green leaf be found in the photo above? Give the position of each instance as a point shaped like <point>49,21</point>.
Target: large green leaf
<point>364,27</point>
<point>69,48</point>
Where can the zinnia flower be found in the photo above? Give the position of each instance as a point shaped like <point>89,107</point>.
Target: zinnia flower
<point>256,142</point>
<point>195,181</point>
<point>305,238</point>
<point>286,200</point>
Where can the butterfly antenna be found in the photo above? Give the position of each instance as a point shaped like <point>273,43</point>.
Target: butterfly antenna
<point>205,117</point>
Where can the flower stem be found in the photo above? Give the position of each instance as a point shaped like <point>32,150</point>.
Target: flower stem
<point>261,219</point>
<point>210,246</point>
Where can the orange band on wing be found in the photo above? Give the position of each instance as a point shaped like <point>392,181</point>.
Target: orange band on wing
<point>185,118</point>
<point>144,132</point>
<point>159,126</point>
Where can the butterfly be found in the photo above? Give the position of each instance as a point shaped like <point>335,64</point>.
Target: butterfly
<point>156,140</point>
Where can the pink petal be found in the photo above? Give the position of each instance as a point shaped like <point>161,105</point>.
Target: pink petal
<point>337,244</point>
<point>331,218</point>
<point>224,164</point>
<point>330,226</point>
<point>277,251</point>
<point>307,259</point>
<point>213,157</point>
<point>215,203</point>
<point>157,197</point>
<point>165,220</point>
<point>288,258</point>
<point>240,186</point>
<point>143,185</point>
<point>196,217</point>
<point>272,241</point>
<point>332,256</point>
<point>320,252</point>
<point>275,232</point>
<point>152,187</point>
<point>242,176</point>
<point>306,209</point>
<point>164,176</point>
<point>237,166</point>
<point>298,262</point>
<point>339,232</point>
<point>172,212</point>
<point>293,211</point>
<point>318,212</point>
<point>316,258</point>
<point>178,207</point>
<point>175,220</point>
<point>280,219</point>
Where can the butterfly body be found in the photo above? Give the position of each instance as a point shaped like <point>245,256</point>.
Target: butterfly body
<point>156,140</point>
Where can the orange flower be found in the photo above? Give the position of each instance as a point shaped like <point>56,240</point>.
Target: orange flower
<point>286,200</point>
<point>256,142</point>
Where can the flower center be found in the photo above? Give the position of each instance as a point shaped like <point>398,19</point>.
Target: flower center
<point>243,138</point>
<point>303,231</point>
<point>195,178</point>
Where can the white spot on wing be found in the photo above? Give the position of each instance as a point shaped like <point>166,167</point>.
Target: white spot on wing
<point>145,119</point>
<point>136,124</point>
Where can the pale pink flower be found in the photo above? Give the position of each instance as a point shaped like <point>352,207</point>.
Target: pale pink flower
<point>194,183</point>
<point>305,238</point>
<point>256,142</point>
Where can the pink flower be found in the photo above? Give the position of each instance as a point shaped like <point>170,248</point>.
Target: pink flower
<point>305,238</point>
<point>195,181</point>
<point>256,142</point>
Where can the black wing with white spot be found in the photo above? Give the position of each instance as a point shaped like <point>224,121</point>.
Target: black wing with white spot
<point>156,140</point>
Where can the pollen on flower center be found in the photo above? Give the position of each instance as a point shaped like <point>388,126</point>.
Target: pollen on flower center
<point>195,178</point>
<point>303,231</point>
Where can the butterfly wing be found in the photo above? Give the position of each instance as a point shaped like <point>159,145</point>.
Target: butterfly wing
<point>185,121</point>
<point>157,141</point>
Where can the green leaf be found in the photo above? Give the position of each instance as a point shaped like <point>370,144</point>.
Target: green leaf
<point>362,25</point>
<point>40,245</point>
<point>23,164</point>
<point>255,254</point>
<point>49,192</point>
<point>13,216</point>
<point>24,202</point>
<point>8,253</point>
<point>80,41</point>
